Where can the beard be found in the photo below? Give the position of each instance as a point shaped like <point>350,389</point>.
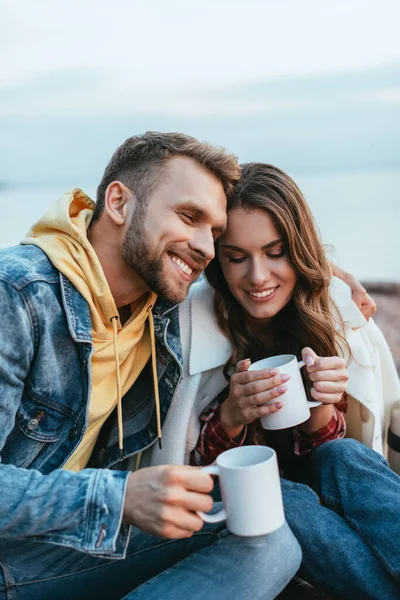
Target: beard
<point>136,251</point>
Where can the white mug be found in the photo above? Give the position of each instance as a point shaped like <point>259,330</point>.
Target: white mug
<point>250,489</point>
<point>296,406</point>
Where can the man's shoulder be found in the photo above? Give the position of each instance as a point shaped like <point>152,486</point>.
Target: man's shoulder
<point>22,265</point>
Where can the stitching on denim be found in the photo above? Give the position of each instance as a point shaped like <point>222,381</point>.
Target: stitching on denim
<point>109,563</point>
<point>27,309</point>
<point>8,579</point>
<point>29,306</point>
<point>90,508</point>
<point>20,284</point>
<point>393,572</point>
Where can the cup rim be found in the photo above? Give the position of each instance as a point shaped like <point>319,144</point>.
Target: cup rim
<point>267,451</point>
<point>288,359</point>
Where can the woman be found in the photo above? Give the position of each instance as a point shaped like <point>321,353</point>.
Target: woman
<point>271,282</point>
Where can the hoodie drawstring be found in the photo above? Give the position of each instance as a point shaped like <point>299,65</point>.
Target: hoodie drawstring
<point>155,378</point>
<point>114,322</point>
<point>118,381</point>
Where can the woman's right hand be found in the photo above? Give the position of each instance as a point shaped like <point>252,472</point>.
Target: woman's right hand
<point>248,393</point>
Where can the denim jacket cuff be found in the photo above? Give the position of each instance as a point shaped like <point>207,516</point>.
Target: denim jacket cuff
<point>105,535</point>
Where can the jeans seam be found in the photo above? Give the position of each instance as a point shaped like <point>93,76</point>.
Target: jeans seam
<point>8,580</point>
<point>108,563</point>
<point>393,573</point>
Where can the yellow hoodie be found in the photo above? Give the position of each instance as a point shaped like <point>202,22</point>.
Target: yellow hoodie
<point>120,352</point>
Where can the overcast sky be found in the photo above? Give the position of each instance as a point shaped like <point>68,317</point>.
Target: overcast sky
<point>88,56</point>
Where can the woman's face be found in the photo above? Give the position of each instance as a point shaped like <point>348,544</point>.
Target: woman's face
<point>255,265</point>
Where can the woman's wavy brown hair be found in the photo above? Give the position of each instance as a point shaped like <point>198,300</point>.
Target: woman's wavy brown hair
<point>306,320</point>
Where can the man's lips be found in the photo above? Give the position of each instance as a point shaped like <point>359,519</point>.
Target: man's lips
<point>189,270</point>
<point>187,263</point>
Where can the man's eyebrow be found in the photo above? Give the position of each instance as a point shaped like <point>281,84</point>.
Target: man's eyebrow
<point>238,249</point>
<point>200,213</point>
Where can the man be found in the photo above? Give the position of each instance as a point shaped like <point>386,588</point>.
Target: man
<point>83,348</point>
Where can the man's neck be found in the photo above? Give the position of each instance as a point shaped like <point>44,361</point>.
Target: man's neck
<point>125,284</point>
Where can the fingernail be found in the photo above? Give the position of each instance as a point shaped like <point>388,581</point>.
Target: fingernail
<point>309,361</point>
<point>285,377</point>
<point>278,404</point>
<point>273,372</point>
<point>282,388</point>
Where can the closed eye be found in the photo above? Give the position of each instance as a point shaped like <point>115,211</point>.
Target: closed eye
<point>236,260</point>
<point>187,217</point>
<point>277,255</point>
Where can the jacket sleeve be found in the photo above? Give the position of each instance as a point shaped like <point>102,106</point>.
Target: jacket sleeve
<point>80,510</point>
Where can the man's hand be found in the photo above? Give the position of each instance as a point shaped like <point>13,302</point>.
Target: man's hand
<point>163,500</point>
<point>359,294</point>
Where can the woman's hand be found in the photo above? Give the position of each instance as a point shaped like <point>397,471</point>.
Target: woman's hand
<point>328,374</point>
<point>249,391</point>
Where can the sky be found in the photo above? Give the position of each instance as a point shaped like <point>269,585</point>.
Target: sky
<point>306,84</point>
<point>165,56</point>
<point>312,86</point>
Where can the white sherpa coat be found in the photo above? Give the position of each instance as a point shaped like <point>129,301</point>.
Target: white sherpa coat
<point>373,386</point>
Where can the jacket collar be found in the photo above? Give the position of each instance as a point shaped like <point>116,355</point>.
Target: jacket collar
<point>77,311</point>
<point>209,348</point>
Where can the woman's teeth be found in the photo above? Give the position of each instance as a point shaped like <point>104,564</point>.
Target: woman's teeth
<point>263,294</point>
<point>182,265</point>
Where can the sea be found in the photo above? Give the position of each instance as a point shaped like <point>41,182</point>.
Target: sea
<point>358,215</point>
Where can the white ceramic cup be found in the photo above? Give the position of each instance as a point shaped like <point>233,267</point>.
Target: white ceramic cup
<point>250,490</point>
<point>296,406</point>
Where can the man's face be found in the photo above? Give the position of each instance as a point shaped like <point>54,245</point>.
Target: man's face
<point>171,242</point>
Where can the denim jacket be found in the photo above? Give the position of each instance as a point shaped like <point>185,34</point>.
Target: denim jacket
<point>45,384</point>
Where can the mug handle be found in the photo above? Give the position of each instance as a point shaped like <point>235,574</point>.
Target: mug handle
<point>219,516</point>
<point>311,403</point>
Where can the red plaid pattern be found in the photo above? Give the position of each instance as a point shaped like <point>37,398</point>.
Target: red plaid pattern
<point>213,438</point>
<point>306,442</point>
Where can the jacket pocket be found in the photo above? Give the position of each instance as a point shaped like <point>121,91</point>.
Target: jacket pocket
<point>37,427</point>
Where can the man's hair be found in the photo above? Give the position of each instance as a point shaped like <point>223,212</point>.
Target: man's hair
<point>140,164</point>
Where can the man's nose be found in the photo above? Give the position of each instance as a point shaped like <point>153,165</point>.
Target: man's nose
<point>203,243</point>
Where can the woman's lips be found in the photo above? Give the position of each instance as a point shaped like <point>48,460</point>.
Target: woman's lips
<point>265,296</point>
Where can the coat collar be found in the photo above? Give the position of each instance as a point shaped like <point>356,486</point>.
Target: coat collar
<point>209,348</point>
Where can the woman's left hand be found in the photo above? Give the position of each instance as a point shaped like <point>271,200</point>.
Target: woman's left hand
<point>328,374</point>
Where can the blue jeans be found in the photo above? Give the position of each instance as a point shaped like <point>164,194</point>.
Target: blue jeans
<point>347,520</point>
<point>210,564</point>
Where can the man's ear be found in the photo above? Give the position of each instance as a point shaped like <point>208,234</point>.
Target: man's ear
<point>116,202</point>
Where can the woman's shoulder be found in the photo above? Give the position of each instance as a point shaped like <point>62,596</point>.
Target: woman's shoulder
<point>200,298</point>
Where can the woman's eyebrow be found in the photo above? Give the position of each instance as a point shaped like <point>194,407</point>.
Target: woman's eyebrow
<point>238,249</point>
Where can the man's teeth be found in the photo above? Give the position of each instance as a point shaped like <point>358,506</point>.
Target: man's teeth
<point>182,265</point>
<point>262,294</point>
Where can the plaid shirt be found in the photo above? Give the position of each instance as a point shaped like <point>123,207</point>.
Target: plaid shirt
<point>213,438</point>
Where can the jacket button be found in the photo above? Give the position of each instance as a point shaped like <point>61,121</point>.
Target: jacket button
<point>32,424</point>
<point>73,433</point>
